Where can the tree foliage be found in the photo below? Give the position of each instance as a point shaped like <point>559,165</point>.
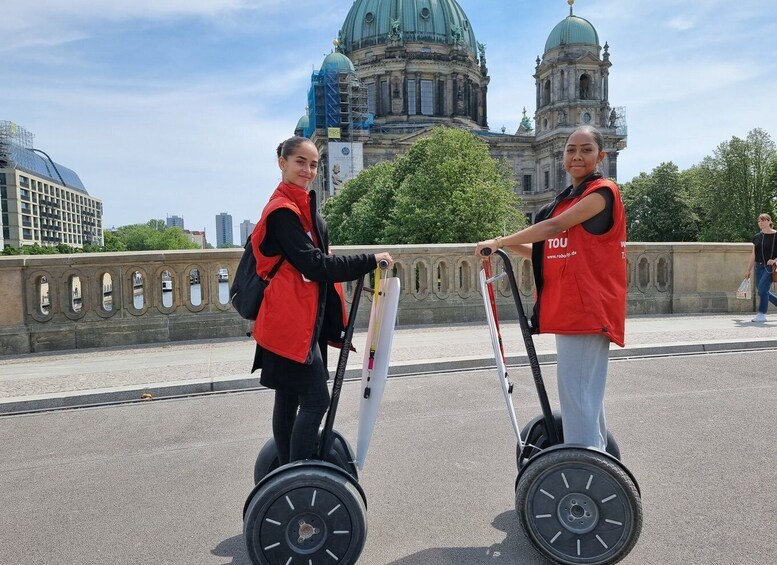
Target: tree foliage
<point>658,206</point>
<point>734,185</point>
<point>446,189</point>
<point>153,235</point>
<point>717,200</point>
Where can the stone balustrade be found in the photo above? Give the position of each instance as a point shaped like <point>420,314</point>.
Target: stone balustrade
<point>56,302</point>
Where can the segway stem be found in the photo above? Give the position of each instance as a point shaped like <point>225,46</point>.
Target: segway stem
<point>531,352</point>
<point>337,384</point>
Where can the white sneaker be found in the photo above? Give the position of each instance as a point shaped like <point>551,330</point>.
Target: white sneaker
<point>760,317</point>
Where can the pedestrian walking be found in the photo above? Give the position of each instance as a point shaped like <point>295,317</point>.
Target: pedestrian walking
<point>763,257</point>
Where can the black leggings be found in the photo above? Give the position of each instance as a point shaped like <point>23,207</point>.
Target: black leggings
<point>296,433</point>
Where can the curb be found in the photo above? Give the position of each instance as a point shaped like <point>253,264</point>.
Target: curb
<point>160,391</point>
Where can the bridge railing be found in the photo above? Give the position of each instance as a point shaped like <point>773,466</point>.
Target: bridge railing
<point>55,302</point>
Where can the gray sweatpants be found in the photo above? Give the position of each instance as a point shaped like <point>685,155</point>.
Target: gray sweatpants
<point>582,376</point>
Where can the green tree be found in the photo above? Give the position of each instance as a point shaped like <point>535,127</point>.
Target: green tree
<point>446,189</point>
<point>658,206</point>
<point>734,185</point>
<point>112,242</point>
<point>358,215</point>
<point>152,235</point>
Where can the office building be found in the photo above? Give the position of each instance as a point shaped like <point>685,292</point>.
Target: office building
<point>224,230</point>
<point>246,229</point>
<point>43,202</point>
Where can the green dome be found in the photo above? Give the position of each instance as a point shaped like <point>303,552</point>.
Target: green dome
<point>379,22</point>
<point>572,30</point>
<point>338,61</point>
<point>303,123</point>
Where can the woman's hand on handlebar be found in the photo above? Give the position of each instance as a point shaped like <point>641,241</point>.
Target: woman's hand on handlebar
<point>490,244</point>
<point>384,260</point>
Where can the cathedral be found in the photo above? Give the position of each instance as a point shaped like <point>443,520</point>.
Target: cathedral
<point>402,67</point>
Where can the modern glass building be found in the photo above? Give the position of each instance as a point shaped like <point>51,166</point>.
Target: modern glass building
<point>42,202</point>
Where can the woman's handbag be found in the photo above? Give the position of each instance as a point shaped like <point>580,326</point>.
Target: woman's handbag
<point>743,292</point>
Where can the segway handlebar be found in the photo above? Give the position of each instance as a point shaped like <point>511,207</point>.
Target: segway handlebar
<point>531,352</point>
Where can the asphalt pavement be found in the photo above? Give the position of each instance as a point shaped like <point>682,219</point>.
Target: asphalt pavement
<point>47,381</point>
<point>165,482</point>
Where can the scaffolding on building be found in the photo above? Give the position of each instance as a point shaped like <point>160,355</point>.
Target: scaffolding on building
<point>337,100</point>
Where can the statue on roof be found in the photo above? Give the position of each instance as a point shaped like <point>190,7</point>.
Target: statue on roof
<point>525,126</point>
<point>396,32</point>
<point>457,34</point>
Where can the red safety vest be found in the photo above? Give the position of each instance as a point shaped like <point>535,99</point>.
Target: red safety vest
<point>287,317</point>
<point>584,275</point>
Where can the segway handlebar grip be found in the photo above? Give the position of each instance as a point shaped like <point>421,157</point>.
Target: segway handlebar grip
<point>383,264</point>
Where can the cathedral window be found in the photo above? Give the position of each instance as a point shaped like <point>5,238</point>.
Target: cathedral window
<point>585,87</point>
<point>563,86</point>
<point>371,98</point>
<point>527,183</point>
<point>385,102</point>
<point>411,98</point>
<point>547,180</point>
<point>546,93</point>
<point>427,97</point>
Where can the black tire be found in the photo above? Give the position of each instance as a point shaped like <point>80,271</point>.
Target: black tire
<point>340,455</point>
<point>266,461</point>
<point>579,506</point>
<point>306,513</point>
<point>536,439</point>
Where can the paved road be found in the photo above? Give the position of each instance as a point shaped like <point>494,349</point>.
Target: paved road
<point>86,377</point>
<point>165,481</point>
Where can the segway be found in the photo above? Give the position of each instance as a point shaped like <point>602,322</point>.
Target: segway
<point>314,511</point>
<point>577,504</point>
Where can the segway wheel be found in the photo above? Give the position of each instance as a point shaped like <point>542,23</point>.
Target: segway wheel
<point>340,455</point>
<point>306,514</point>
<point>579,506</point>
<point>536,439</point>
<point>266,461</point>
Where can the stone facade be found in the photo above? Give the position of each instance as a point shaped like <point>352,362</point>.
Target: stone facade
<point>422,67</point>
<point>50,302</point>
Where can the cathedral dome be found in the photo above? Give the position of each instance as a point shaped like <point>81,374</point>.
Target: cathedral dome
<point>303,123</point>
<point>339,62</point>
<point>380,22</point>
<point>572,30</point>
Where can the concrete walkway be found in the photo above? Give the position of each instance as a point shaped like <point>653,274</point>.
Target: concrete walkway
<point>48,381</point>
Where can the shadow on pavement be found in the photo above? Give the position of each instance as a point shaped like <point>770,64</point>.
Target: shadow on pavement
<point>515,548</point>
<point>235,548</point>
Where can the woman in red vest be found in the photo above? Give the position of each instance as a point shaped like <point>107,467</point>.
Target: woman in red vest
<point>303,307</point>
<point>578,250</point>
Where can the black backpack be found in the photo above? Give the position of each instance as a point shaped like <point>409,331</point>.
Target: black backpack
<point>247,289</point>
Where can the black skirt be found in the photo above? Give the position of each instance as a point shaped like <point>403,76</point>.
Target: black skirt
<point>284,374</point>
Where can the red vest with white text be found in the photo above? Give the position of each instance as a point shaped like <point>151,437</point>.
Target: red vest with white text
<point>584,275</point>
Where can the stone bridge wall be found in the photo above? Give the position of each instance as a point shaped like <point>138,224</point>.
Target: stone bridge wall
<point>56,302</point>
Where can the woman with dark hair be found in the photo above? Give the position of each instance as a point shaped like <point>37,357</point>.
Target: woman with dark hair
<point>764,257</point>
<point>578,250</point>
<point>303,306</point>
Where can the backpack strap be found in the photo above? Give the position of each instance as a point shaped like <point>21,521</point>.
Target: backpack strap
<point>275,268</point>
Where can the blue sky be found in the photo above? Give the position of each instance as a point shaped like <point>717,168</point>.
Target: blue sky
<point>175,106</point>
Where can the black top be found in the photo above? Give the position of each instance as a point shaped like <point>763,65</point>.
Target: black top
<point>765,247</point>
<point>286,236</point>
